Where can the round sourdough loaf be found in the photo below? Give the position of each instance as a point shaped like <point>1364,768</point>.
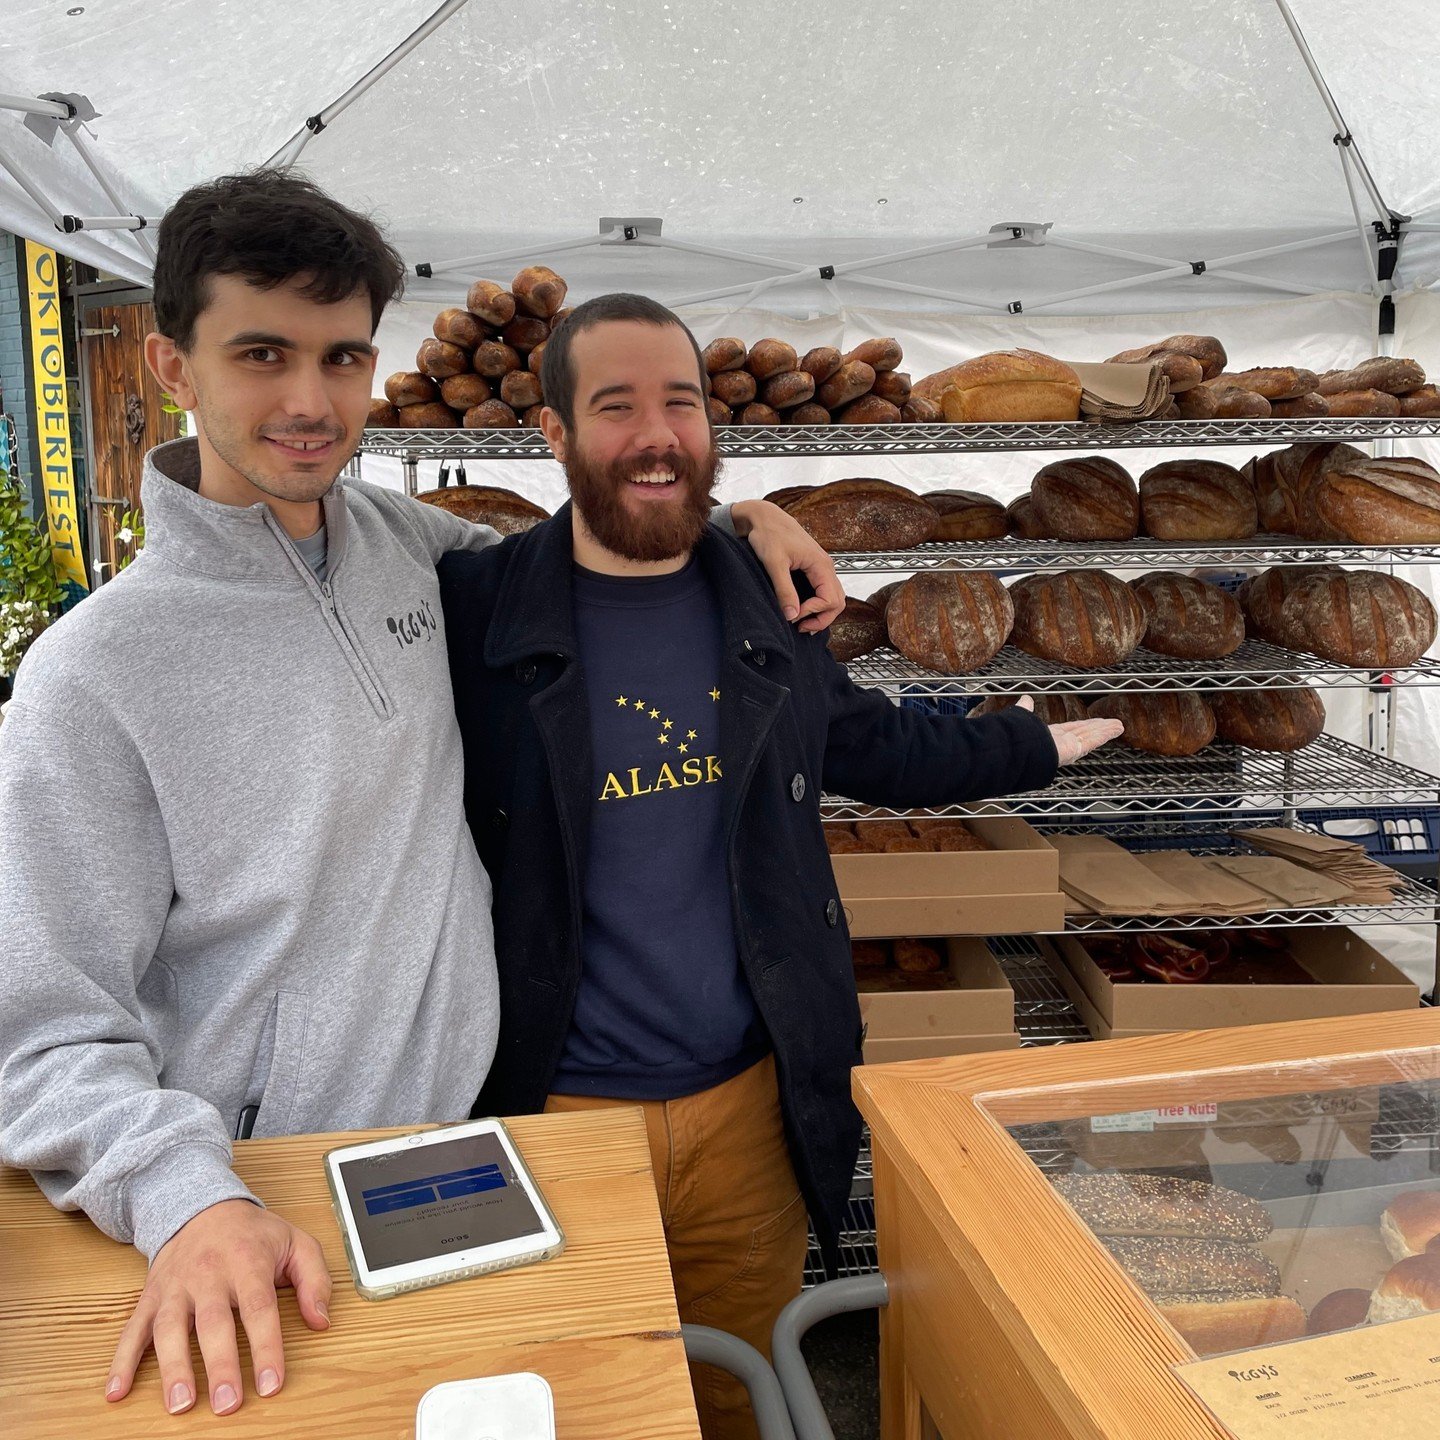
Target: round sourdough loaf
<point>1280,479</point>
<point>857,630</point>
<point>1378,502</point>
<point>1262,597</point>
<point>1268,719</point>
<point>1361,618</point>
<point>1196,500</point>
<point>966,515</point>
<point>865,514</point>
<point>1088,498</point>
<point>1187,618</point>
<point>501,510</point>
<point>1081,617</point>
<point>1022,521</point>
<point>1174,722</point>
<point>950,621</point>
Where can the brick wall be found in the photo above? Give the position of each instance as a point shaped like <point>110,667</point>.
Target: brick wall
<point>14,360</point>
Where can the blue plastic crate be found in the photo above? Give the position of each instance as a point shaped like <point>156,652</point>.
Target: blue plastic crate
<point>1407,833</point>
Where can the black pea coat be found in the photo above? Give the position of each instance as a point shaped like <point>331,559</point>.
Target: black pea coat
<point>791,725</point>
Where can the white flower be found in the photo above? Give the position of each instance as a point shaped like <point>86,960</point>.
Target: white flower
<point>125,536</point>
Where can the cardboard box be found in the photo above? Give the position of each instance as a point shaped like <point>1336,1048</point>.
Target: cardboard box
<point>1354,979</point>
<point>882,1052</point>
<point>1012,888</point>
<point>982,1002</point>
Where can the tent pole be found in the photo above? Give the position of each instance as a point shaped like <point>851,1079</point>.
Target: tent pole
<point>82,145</point>
<point>1343,137</point>
<point>524,252</point>
<point>1366,260</point>
<point>30,188</point>
<point>711,252</point>
<point>289,153</point>
<point>971,242</point>
<point>51,109</point>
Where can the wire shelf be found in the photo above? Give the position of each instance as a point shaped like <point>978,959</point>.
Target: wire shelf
<point>1328,773</point>
<point>1141,554</point>
<point>863,440</point>
<point>1256,665</point>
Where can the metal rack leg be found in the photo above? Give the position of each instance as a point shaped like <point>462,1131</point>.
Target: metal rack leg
<point>410,469</point>
<point>707,1346</point>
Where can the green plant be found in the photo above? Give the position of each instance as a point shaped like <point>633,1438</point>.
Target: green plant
<point>27,567</point>
<point>131,533</point>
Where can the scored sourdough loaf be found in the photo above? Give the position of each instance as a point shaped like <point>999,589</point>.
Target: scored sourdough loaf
<point>966,515</point>
<point>1188,619</point>
<point>1389,373</point>
<point>1268,719</point>
<point>863,514</point>
<point>1172,722</point>
<point>1019,385</point>
<point>950,621</point>
<point>857,630</point>
<point>1196,500</point>
<point>1137,1203</point>
<point>1377,502</point>
<point>501,510</point>
<point>1281,478</point>
<point>1088,498</point>
<point>1361,618</point>
<point>1262,597</point>
<point>1086,618</point>
<point>1022,521</point>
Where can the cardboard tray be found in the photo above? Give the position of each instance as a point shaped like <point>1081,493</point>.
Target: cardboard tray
<point>1013,887</point>
<point>982,1004</point>
<point>1354,979</point>
<point>881,1052</point>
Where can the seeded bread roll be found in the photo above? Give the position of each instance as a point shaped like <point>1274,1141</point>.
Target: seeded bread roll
<point>966,515</point>
<point>383,415</point>
<point>459,327</point>
<point>538,290</point>
<point>810,414</point>
<point>491,303</point>
<point>494,358</point>
<point>727,353</point>
<point>787,389</point>
<point>1281,720</point>
<point>1376,502</point>
<point>1361,404</point>
<point>892,385</point>
<point>1410,1222</point>
<point>1282,382</point>
<point>1217,1269</point>
<point>1161,1205</point>
<point>771,357</point>
<point>734,387</point>
<point>950,621</point>
<point>1385,372</point>
<point>1281,479</point>
<point>491,415</point>
<point>1199,403</point>
<point>1196,500</point>
<point>1409,1288</point>
<point>1088,498</point>
<point>718,411</point>
<point>879,355</point>
<point>1421,402</point>
<point>757,414</point>
<point>405,387</point>
<point>430,416</point>
<point>1204,348</point>
<point>1085,618</point>
<point>520,390</point>
<point>857,630</point>
<point>865,514</point>
<point>853,379</point>
<point>1022,521</point>
<point>1216,1327</point>
<point>502,510</point>
<point>525,332</point>
<point>1362,619</point>
<point>1052,709</point>
<point>822,362</point>
<point>869,410</point>
<point>461,392</point>
<point>918,411</point>
<point>1172,722</point>
<point>1187,618</point>
<point>1312,406</point>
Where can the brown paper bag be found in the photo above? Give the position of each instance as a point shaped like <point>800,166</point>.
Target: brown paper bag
<point>1214,891</point>
<point>1293,885</point>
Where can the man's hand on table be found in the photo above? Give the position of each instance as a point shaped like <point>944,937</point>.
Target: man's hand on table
<point>1077,738</point>
<point>781,545</point>
<point>231,1257</point>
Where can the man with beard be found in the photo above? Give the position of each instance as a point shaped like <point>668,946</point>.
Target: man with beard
<point>645,748</point>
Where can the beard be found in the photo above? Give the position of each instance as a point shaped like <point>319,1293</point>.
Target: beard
<point>652,530</point>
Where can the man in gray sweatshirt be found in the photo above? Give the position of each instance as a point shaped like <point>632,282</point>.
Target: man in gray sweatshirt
<point>236,883</point>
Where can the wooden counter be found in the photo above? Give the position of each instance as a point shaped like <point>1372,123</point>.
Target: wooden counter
<point>1008,1320</point>
<point>599,1323</point>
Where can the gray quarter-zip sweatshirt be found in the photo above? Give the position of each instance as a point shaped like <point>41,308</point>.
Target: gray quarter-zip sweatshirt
<point>234,864</point>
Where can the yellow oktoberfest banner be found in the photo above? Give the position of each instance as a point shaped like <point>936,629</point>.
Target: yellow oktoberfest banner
<point>52,412</point>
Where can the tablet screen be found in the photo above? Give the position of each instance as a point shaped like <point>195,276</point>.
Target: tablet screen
<point>418,1202</point>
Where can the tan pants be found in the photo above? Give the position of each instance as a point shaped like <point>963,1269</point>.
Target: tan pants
<point>735,1223</point>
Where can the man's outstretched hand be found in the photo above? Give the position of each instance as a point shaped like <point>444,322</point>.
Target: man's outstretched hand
<point>1077,738</point>
<point>230,1258</point>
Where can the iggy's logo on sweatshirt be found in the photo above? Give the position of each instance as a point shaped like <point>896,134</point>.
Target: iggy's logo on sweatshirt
<point>418,624</point>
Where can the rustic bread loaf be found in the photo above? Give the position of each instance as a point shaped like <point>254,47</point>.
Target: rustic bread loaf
<point>1385,372</point>
<point>892,385</point>
<point>1361,404</point>
<point>405,387</point>
<point>1022,521</point>
<point>1378,502</point>
<point>502,510</point>
<point>880,598</point>
<point>1196,500</point>
<point>1233,403</point>
<point>727,353</point>
<point>966,515</point>
<point>538,290</point>
<point>757,414</point>
<point>950,621</point>
<point>491,303</point>
<point>1137,1203</point>
<point>459,327</point>
<point>788,493</point>
<point>526,332</point>
<point>520,390</point>
<point>1312,406</point>
<point>1283,382</point>
<point>1086,618</point>
<point>1010,385</point>
<point>491,415</point>
<point>734,387</point>
<point>1283,479</point>
<point>1052,709</point>
<point>787,389</point>
<point>869,410</point>
<point>1171,722</point>
<point>809,414</point>
<point>1187,618</point>
<point>460,392</point>
<point>1181,372</point>
<point>857,630</point>
<point>865,514</point>
<point>1198,403</point>
<point>531,418</point>
<point>1361,618</point>
<point>718,411</point>
<point>439,359</point>
<point>917,957</point>
<point>821,363</point>
<point>1204,348</point>
<point>853,379</point>
<point>1424,401</point>
<point>1087,498</point>
<point>1268,719</point>
<point>1262,599</point>
<point>771,357</point>
<point>879,355</point>
<point>432,415</point>
<point>536,358</point>
<point>383,415</point>
<point>918,411</point>
<point>494,358</point>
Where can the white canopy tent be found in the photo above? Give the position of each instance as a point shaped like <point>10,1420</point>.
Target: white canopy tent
<point>966,176</point>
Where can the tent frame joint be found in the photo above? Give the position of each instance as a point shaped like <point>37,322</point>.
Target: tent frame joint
<point>1197,267</point>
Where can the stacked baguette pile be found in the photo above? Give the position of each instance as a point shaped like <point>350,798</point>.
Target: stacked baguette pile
<point>481,370</point>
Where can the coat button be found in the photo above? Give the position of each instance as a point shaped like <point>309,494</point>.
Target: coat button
<point>832,913</point>
<point>525,672</point>
<point>499,820</point>
<point>797,789</point>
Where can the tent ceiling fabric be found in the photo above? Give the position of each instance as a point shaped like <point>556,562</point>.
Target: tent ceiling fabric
<point>811,133</point>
